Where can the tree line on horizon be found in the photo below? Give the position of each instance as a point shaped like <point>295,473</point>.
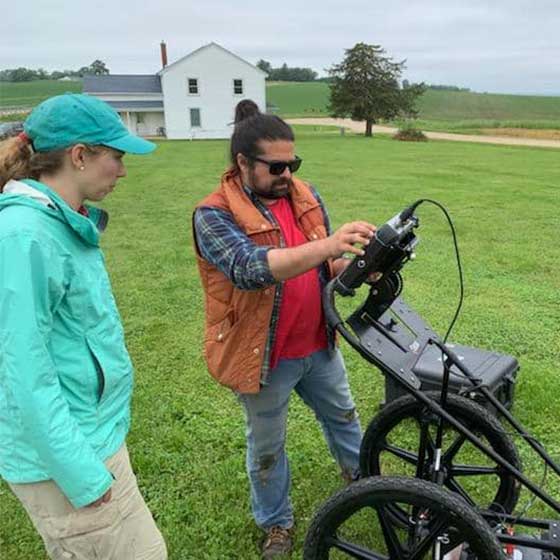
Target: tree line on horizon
<point>22,74</point>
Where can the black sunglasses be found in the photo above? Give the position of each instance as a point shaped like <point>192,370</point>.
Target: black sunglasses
<point>278,167</point>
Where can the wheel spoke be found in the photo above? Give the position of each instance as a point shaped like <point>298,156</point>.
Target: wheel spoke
<point>424,431</point>
<point>456,487</point>
<point>454,448</point>
<point>391,538</point>
<point>473,470</point>
<point>403,454</point>
<point>354,550</point>
<point>398,514</point>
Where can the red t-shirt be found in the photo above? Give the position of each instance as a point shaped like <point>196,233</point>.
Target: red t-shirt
<point>301,328</point>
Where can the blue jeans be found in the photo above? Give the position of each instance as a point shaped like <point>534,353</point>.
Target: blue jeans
<point>321,382</point>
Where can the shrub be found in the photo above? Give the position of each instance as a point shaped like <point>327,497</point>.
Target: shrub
<point>408,133</point>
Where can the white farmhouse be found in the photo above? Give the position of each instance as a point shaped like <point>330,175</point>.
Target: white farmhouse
<point>194,97</point>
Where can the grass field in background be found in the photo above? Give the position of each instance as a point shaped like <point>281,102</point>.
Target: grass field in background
<point>303,99</point>
<point>29,94</point>
<point>459,105</point>
<point>187,441</point>
<point>465,112</point>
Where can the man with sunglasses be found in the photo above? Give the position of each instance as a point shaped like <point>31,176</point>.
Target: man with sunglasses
<point>264,252</point>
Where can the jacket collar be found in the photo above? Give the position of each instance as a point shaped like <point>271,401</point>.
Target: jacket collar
<point>41,196</point>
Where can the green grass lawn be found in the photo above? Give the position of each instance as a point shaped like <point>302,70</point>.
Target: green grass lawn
<point>187,441</point>
<point>29,94</point>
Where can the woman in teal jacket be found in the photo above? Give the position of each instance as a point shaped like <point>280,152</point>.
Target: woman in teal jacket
<point>65,373</point>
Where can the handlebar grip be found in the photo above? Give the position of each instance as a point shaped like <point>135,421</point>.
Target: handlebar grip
<point>331,314</point>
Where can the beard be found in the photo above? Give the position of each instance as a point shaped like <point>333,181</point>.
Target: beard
<point>278,188</point>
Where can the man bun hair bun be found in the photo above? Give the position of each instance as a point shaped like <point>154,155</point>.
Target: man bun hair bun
<point>252,127</point>
<point>245,108</point>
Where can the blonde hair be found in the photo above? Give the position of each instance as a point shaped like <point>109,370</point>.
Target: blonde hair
<point>18,161</point>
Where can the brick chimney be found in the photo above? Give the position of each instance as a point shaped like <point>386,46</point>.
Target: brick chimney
<point>163,48</point>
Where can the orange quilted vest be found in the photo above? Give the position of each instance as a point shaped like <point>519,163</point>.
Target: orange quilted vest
<point>237,321</point>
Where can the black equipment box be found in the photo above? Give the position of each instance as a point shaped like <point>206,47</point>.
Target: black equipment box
<point>497,372</point>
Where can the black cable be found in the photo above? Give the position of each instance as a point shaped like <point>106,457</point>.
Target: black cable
<point>406,214</point>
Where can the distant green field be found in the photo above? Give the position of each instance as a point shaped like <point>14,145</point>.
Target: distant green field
<point>305,99</point>
<point>459,105</point>
<point>29,94</point>
<point>455,110</point>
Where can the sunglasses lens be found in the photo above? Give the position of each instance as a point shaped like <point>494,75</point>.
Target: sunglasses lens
<point>294,165</point>
<point>277,167</point>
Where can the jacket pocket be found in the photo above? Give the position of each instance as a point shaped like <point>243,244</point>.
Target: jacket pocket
<point>112,364</point>
<point>98,370</point>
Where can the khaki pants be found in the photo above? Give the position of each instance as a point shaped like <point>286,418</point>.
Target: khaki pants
<point>122,529</point>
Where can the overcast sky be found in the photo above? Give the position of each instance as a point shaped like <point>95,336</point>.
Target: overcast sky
<point>509,46</point>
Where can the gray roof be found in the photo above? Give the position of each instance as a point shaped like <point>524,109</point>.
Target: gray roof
<point>119,105</point>
<point>122,83</point>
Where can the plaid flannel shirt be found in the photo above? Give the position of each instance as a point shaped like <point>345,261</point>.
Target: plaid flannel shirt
<point>223,244</point>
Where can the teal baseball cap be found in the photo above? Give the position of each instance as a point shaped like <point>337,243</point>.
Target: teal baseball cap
<point>75,118</point>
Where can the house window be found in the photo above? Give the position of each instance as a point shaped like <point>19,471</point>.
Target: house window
<point>192,86</point>
<point>238,87</point>
<point>195,117</point>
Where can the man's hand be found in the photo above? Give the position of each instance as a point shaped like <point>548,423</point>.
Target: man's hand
<point>289,262</point>
<point>344,239</point>
<point>103,500</point>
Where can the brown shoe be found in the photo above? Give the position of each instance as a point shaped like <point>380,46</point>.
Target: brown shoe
<point>278,542</point>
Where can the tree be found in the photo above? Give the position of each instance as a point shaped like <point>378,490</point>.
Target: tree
<point>292,74</point>
<point>98,68</point>
<point>365,86</point>
<point>282,74</point>
<point>22,75</point>
<point>42,74</point>
<point>265,66</point>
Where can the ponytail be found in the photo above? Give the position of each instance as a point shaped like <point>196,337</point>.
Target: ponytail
<point>15,157</point>
<point>18,161</point>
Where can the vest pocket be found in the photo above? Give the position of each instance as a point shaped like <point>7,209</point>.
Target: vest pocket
<point>227,351</point>
<point>219,331</point>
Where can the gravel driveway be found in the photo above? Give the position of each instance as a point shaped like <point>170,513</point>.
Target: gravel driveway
<point>357,126</point>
